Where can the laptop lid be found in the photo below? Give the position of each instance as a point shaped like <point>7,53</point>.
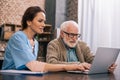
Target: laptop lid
<point>104,57</point>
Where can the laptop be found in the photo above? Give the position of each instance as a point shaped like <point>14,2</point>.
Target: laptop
<point>103,59</point>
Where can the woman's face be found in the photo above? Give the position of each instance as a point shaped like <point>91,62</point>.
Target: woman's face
<point>38,23</point>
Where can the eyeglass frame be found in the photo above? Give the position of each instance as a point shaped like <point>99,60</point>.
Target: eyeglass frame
<point>71,35</point>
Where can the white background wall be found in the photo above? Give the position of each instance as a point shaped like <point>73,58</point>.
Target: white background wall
<point>99,22</point>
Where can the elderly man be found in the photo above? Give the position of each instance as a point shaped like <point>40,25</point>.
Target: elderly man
<point>67,48</point>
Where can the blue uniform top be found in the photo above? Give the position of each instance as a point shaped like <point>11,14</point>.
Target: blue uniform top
<point>19,52</point>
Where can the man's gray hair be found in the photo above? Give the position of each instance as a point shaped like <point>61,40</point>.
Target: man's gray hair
<point>65,24</point>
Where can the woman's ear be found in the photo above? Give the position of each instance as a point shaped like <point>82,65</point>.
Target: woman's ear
<point>29,23</point>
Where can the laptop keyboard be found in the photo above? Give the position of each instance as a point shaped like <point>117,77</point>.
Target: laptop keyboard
<point>79,71</point>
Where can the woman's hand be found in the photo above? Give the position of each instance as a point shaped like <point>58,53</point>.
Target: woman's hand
<point>81,66</point>
<point>71,67</point>
<point>86,65</point>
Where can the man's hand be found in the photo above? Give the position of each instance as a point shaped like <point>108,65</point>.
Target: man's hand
<point>112,68</point>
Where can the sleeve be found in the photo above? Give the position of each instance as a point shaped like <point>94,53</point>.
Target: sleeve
<point>54,53</point>
<point>88,55</point>
<point>21,51</point>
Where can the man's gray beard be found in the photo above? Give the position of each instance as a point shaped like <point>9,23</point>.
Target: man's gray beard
<point>68,44</point>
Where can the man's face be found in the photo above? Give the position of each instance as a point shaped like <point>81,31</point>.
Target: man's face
<point>70,36</point>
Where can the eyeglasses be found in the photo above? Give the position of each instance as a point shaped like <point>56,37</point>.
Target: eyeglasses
<point>71,35</point>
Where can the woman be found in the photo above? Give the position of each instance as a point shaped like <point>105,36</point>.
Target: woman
<point>21,51</point>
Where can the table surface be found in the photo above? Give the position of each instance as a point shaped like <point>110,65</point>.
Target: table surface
<point>65,76</point>
<point>60,76</point>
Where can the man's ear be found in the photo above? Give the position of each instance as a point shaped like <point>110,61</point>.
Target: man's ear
<point>61,34</point>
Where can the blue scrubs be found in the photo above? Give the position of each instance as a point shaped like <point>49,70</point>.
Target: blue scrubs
<point>19,52</point>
